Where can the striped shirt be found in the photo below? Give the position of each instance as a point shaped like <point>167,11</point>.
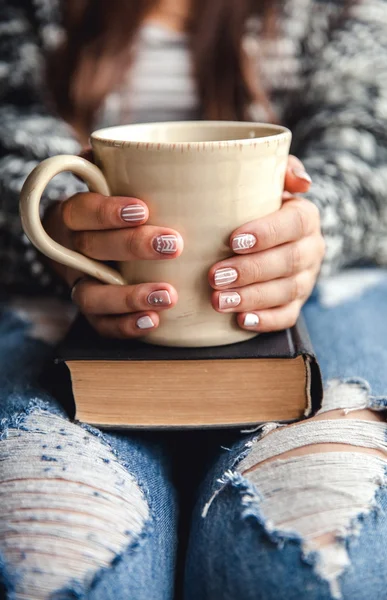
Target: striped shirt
<point>159,86</point>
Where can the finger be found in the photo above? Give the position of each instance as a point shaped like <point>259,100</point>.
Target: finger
<point>125,326</point>
<point>296,219</point>
<point>261,296</point>
<point>281,261</point>
<point>94,298</point>
<point>297,180</point>
<point>88,211</point>
<point>274,319</point>
<point>147,243</point>
<point>87,154</point>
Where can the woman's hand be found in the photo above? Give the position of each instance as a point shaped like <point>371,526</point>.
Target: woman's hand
<point>113,229</point>
<point>279,259</point>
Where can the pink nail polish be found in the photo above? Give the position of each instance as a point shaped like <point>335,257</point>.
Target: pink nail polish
<point>145,323</point>
<point>229,299</point>
<point>165,244</point>
<point>133,213</point>
<point>243,241</point>
<point>301,174</point>
<point>225,276</point>
<point>159,298</point>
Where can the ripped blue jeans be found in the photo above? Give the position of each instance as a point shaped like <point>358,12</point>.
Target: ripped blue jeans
<point>283,512</point>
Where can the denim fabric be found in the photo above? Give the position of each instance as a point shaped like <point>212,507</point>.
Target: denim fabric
<point>251,534</point>
<point>347,321</point>
<point>144,558</point>
<point>92,514</point>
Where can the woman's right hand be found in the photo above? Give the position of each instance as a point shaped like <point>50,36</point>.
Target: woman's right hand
<point>113,229</point>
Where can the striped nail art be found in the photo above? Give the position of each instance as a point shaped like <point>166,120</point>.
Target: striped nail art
<point>243,241</point>
<point>165,244</point>
<point>145,323</point>
<point>229,299</point>
<point>225,276</point>
<point>159,298</point>
<point>133,213</point>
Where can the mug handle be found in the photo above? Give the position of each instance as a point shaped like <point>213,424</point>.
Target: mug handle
<point>30,197</point>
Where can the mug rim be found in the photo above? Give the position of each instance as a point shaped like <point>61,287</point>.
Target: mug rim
<point>102,135</point>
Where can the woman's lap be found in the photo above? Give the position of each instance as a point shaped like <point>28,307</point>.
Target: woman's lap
<point>81,511</point>
<point>347,321</point>
<point>294,512</point>
<point>254,524</point>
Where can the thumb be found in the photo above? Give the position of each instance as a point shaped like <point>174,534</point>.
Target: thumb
<point>87,153</point>
<point>297,180</point>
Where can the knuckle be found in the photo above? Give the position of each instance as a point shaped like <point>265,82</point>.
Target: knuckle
<point>293,289</point>
<point>270,233</point>
<point>259,297</point>
<point>315,211</point>
<point>273,232</point>
<point>133,299</point>
<point>293,316</point>
<point>295,259</point>
<point>124,327</point>
<point>272,323</point>
<point>67,213</point>
<point>251,270</point>
<point>297,287</point>
<point>102,213</point>
<point>84,301</point>
<point>100,325</point>
<point>133,242</point>
<point>302,218</point>
<point>84,242</point>
<point>129,301</point>
<point>303,285</point>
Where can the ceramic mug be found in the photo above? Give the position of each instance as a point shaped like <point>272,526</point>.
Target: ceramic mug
<point>203,179</point>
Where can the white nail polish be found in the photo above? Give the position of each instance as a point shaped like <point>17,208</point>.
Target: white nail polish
<point>251,320</point>
<point>225,276</point>
<point>145,323</point>
<point>133,213</point>
<point>165,244</point>
<point>244,241</point>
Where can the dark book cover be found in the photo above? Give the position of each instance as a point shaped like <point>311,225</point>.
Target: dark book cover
<point>84,343</point>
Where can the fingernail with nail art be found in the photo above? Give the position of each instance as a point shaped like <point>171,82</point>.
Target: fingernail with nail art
<point>251,320</point>
<point>159,298</point>
<point>229,299</point>
<point>301,174</point>
<point>225,276</point>
<point>243,241</point>
<point>133,213</point>
<point>165,244</point>
<point>145,323</point>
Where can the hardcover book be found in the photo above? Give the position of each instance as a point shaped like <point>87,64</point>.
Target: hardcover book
<point>129,383</point>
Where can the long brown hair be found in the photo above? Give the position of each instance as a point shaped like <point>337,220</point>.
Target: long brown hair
<point>97,52</point>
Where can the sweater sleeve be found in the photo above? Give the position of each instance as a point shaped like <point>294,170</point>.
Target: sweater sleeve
<point>339,123</point>
<point>29,133</point>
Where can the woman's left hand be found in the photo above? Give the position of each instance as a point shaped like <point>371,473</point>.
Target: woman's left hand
<point>276,262</point>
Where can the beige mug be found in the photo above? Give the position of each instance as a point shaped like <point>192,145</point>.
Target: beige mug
<point>203,179</point>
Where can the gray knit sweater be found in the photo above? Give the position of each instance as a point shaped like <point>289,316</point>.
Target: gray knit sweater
<point>326,75</point>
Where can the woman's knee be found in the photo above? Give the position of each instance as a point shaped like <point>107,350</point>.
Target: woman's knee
<point>68,507</point>
<point>298,500</point>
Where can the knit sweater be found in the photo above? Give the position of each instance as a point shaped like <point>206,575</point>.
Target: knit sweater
<point>325,73</point>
